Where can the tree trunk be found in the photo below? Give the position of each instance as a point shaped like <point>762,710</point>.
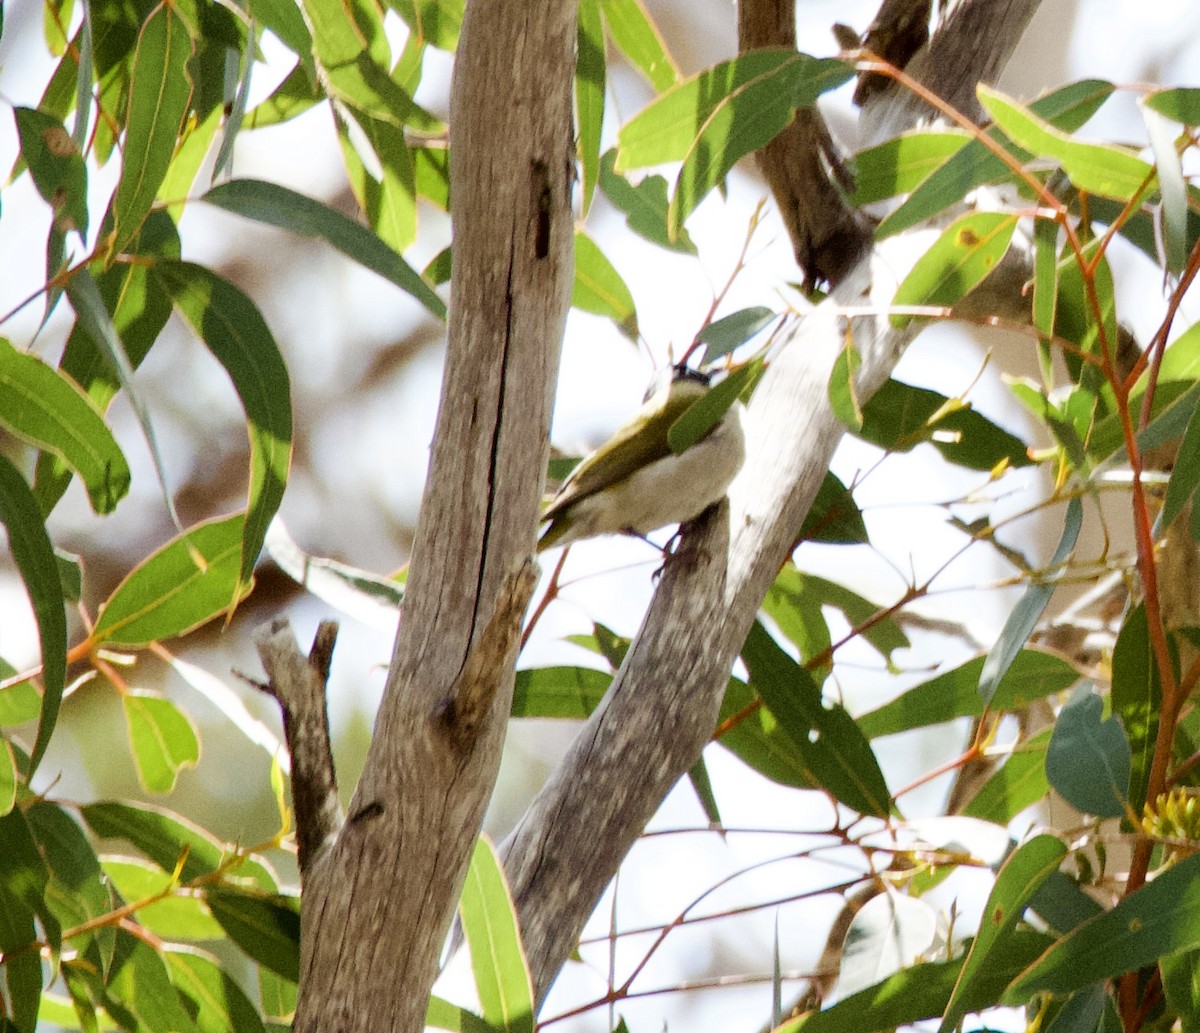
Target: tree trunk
<point>379,900</point>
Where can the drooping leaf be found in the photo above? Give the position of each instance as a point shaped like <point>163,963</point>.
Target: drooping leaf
<point>167,594</point>
<point>970,248</point>
<point>489,922</point>
<point>163,739</point>
<point>386,187</point>
<point>138,981</point>
<point>1025,615</point>
<point>159,92</point>
<point>33,555</point>
<point>1160,919</point>
<point>278,206</point>
<point>176,915</point>
<point>1172,189</point>
<point>589,95</point>
<point>1020,782</point>
<point>1088,759</point>
<point>599,289</point>
<point>824,735</point>
<point>1181,983</point>
<point>704,414</point>
<point>889,933</point>
<point>1136,698</point>
<point>233,329</point>
<point>1018,879</point>
<point>1097,168</point>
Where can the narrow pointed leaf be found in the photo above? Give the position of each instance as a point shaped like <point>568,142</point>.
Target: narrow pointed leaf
<point>159,92</point>
<point>138,981</point>
<point>898,165</point>
<point>265,926</point>
<point>49,411</point>
<point>497,956</point>
<point>235,332</point>
<point>1185,475</point>
<point>703,414</point>
<point>589,95</point>
<point>1160,919</point>
<point>888,934</point>
<point>962,256</point>
<point>1136,696</point>
<point>90,309</point>
<point>177,914</point>
<point>1097,168</point>
<point>220,1005</point>
<point>1172,188</point>
<point>1016,882</point>
<point>1025,615</point>
<point>637,37</point>
<point>278,206</point>
<point>834,517</point>
<point>824,735</point>
<point>388,200</point>
<point>562,692</point>
<point>1181,105</point>
<point>645,205</point>
<point>168,594</point>
<point>734,330</point>
<point>33,555</point>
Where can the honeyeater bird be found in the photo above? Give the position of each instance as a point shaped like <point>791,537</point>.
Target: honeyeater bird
<point>634,483</point>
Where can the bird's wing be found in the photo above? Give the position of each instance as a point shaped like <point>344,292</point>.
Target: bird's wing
<point>632,447</point>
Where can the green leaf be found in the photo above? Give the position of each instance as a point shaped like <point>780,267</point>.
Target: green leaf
<point>56,166</point>
<point>704,413</point>
<point>441,1014</point>
<point>589,95</point>
<point>974,165</point>
<point>1136,697</point>
<point>969,249</point>
<point>562,692</point>
<point>899,416</point>
<point>489,923</point>
<point>178,915</point>
<point>644,205</point>
<point>1029,676</point>
<point>599,288</point>
<point>162,737</point>
<point>1160,919</point>
<point>1181,982</point>
<point>283,18</point>
<point>1097,168</point>
<point>33,555</point>
<point>233,329</point>
<point>1180,105</point>
<point>826,738</point>
<point>1185,475</point>
<point>834,517</point>
<point>220,1004</point>
<point>278,206</point>
<point>920,992</point>
<point>899,164</point>
<point>436,22</point>
<point>1088,759</point>
<point>702,786</point>
<point>352,50</point>
<point>167,594</point>
<point>733,331</point>
<point>843,391</point>
<point>265,926</point>
<point>1028,611</point>
<point>9,777</point>
<point>165,838</point>
<point>1020,782</point>
<point>49,411</point>
<point>93,315</point>
<point>889,933</point>
<point>159,92</point>
<point>1172,189</point>
<point>138,980</point>
<point>637,37</point>
<point>1018,879</point>
<point>388,200</point>
<point>1045,292</point>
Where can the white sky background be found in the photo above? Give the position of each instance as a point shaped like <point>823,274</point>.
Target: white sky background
<point>365,368</point>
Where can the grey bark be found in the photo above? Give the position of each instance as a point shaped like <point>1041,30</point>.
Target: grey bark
<point>662,706</point>
<point>379,901</point>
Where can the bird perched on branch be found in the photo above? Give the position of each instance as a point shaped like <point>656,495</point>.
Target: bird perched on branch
<point>635,483</point>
